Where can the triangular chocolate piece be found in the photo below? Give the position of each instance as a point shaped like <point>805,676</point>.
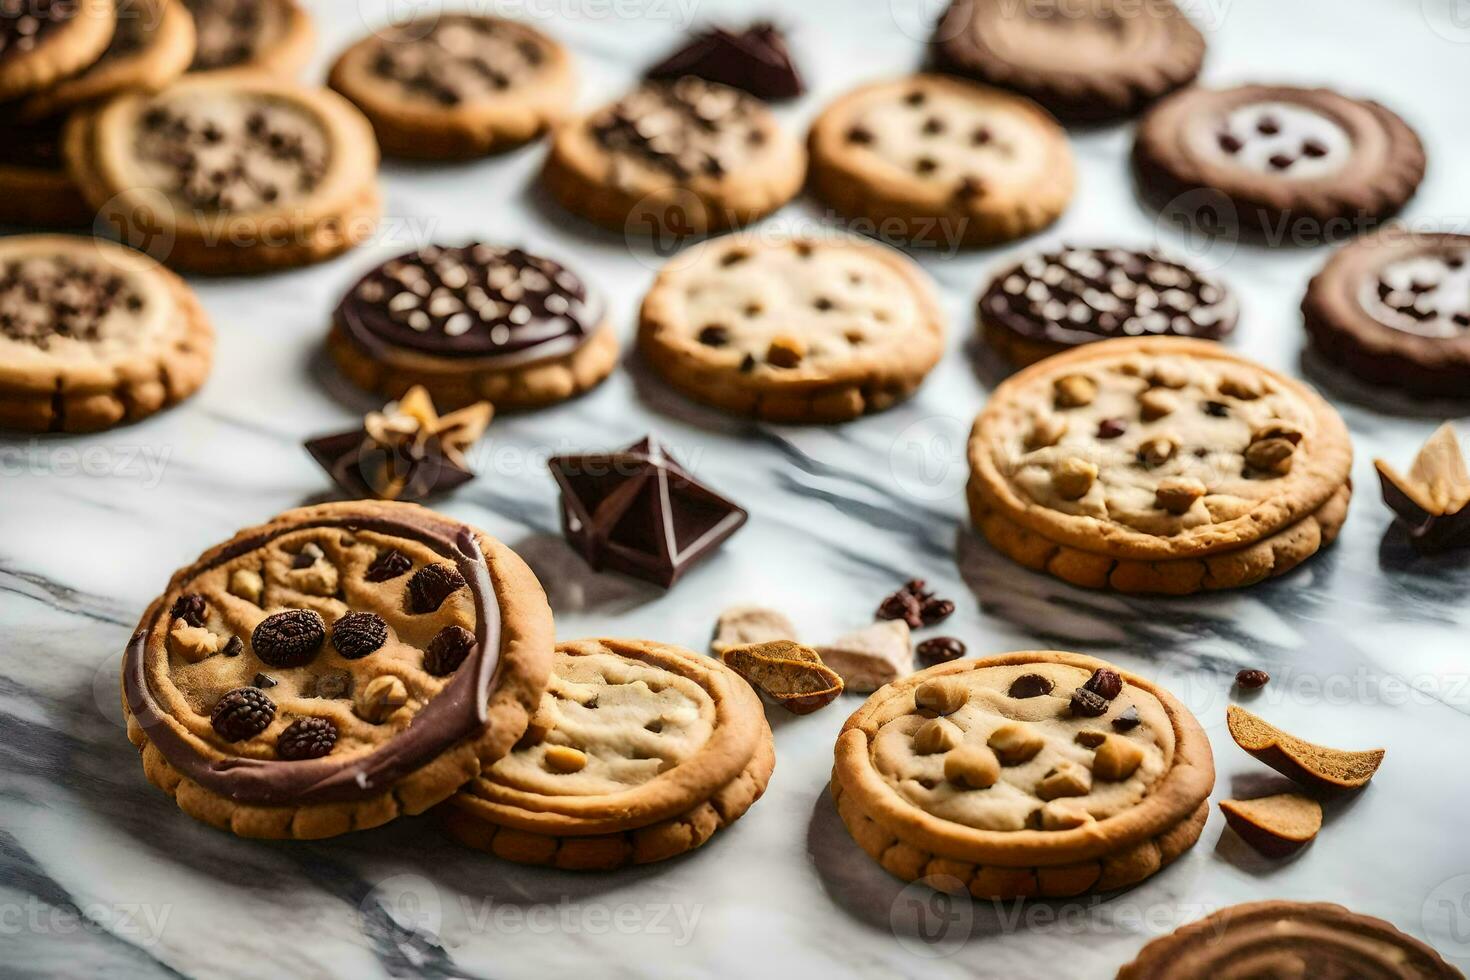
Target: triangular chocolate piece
<point>756,60</point>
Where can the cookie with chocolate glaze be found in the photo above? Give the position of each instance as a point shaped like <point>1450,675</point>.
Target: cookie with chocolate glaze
<point>1394,309</point>
<point>1091,62</point>
<point>682,158</point>
<point>1055,301</point>
<point>335,668</point>
<point>273,36</point>
<point>44,41</point>
<point>35,189</point>
<point>229,172</point>
<point>473,322</point>
<point>1280,938</point>
<point>940,161</point>
<point>1294,164</point>
<point>93,335</point>
<point>456,86</point>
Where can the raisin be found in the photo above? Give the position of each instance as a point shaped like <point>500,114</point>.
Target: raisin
<point>290,638</point>
<point>189,607</point>
<point>431,585</point>
<point>918,587</point>
<point>1252,679</point>
<point>358,634</point>
<point>714,335</point>
<point>447,650</point>
<point>306,738</point>
<point>935,611</point>
<point>1030,686</point>
<point>1128,720</point>
<point>1219,410</point>
<point>1088,704</point>
<point>1105,683</point>
<point>388,565</point>
<point>904,606</point>
<point>1111,428</point>
<point>234,646</point>
<point>940,650</point>
<point>241,714</point>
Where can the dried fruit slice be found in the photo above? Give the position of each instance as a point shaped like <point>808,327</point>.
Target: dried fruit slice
<point>1431,500</point>
<point>1274,825</point>
<point>1313,766</point>
<point>790,674</point>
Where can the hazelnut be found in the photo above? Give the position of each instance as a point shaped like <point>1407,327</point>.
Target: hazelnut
<point>1067,779</point>
<point>565,759</point>
<point>971,767</point>
<point>936,735</point>
<point>1047,431</point>
<point>379,698</point>
<point>941,696</point>
<point>1059,815</point>
<point>1155,403</point>
<point>1270,455</point>
<point>1074,390</point>
<point>1117,758</point>
<point>1168,375</point>
<point>1090,738</point>
<point>785,352</point>
<point>1239,386</point>
<point>1278,429</point>
<point>319,578</point>
<point>1015,743</point>
<point>1157,451</point>
<point>192,643</point>
<point>1073,477</point>
<point>1178,494</point>
<point>246,584</point>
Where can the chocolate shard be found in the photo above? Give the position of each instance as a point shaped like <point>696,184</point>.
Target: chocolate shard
<point>639,512</point>
<point>755,59</point>
<point>1433,499</point>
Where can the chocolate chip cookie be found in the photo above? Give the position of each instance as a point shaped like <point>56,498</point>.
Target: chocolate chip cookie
<point>1090,62</point>
<point>942,162</point>
<point>1280,938</point>
<point>1160,465</point>
<point>229,172</point>
<point>1298,166</point>
<point>1029,774</point>
<point>473,322</point>
<point>456,86</point>
<point>44,41</point>
<point>638,752</point>
<point>677,159</point>
<point>93,335</point>
<point>1055,301</point>
<point>273,36</point>
<point>334,668</point>
<point>793,330</point>
<point>1394,309</point>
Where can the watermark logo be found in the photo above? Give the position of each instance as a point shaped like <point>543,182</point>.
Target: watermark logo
<point>927,459</point>
<point>1445,917</point>
<point>933,917</point>
<point>1448,19</point>
<point>138,923</point>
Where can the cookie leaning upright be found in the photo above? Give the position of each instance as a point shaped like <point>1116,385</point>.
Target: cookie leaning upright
<point>229,172</point>
<point>456,86</point>
<point>683,158</point>
<point>638,752</point>
<point>1028,774</point>
<point>1159,465</point>
<point>334,668</point>
<point>793,330</point>
<point>43,41</point>
<point>940,161</point>
<point>93,335</point>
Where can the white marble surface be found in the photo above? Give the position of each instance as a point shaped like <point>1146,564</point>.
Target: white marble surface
<point>100,874</point>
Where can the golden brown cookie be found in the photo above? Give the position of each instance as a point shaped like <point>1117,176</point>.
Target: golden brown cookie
<point>803,329</point>
<point>638,753</point>
<point>44,41</point>
<point>1158,465</point>
<point>273,36</point>
<point>1028,774</point>
<point>230,172</point>
<point>334,668</point>
<point>454,85</point>
<point>93,335</point>
<point>679,159</point>
<point>941,162</point>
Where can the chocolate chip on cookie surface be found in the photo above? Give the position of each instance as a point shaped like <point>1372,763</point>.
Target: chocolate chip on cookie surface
<point>274,36</point>
<point>341,706</point>
<point>1058,300</point>
<point>1296,165</point>
<point>940,161</point>
<point>44,41</point>
<point>796,330</point>
<point>456,85</point>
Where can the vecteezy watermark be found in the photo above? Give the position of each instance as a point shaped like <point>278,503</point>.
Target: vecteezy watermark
<point>566,917</point>
<point>927,459</point>
<point>144,464</point>
<point>1445,917</point>
<point>1449,19</point>
<point>139,923</point>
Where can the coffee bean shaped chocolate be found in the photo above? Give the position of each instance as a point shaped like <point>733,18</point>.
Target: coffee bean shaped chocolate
<point>358,634</point>
<point>290,638</point>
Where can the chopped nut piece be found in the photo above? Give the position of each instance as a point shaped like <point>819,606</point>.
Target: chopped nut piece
<point>565,759</point>
<point>1015,743</point>
<point>1155,403</point>
<point>247,585</point>
<point>937,735</point>
<point>1168,375</point>
<point>1073,477</point>
<point>788,673</point>
<point>1074,391</point>
<point>1117,758</point>
<point>1272,446</point>
<point>1240,386</point>
<point>941,696</point>
<point>1046,431</point>
<point>379,698</point>
<point>192,643</point>
<point>1178,494</point>
<point>971,767</point>
<point>1067,779</point>
<point>318,578</point>
<point>1059,815</point>
<point>1157,451</point>
<point>1091,739</point>
<point>785,352</point>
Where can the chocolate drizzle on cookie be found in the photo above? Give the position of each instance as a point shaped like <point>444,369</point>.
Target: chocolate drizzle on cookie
<point>24,24</point>
<point>690,128</point>
<point>459,59</point>
<point>472,301</point>
<point>1426,294</point>
<point>43,299</point>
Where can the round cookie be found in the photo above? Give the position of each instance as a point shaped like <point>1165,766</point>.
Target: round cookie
<point>1297,165</point>
<point>473,322</point>
<point>456,86</point>
<point>273,36</point>
<point>35,189</point>
<point>1394,309</point>
<point>229,173</point>
<point>1054,301</point>
<point>793,330</point>
<point>1160,465</point>
<point>334,668</point>
<point>1091,62</point>
<point>1029,774</point>
<point>152,46</point>
<point>44,41</point>
<point>940,161</point>
<point>93,335</point>
<point>1280,938</point>
<point>638,752</point>
<point>681,158</point>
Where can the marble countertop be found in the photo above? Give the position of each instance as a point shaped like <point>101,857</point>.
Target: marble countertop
<point>101,874</point>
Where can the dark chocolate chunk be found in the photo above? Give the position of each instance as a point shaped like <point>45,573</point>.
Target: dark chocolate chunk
<point>234,646</point>
<point>1111,428</point>
<point>388,565</point>
<point>1030,686</point>
<point>290,638</point>
<point>190,607</point>
<point>1128,720</point>
<point>431,585</point>
<point>755,59</point>
<point>264,681</point>
<point>1088,704</point>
